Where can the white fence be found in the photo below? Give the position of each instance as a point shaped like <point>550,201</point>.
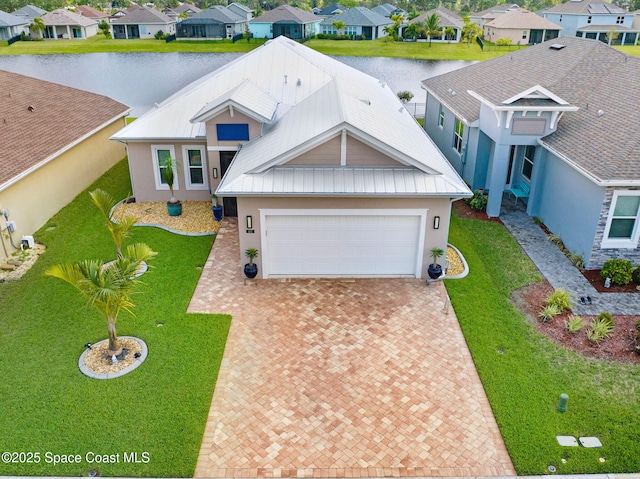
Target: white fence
<point>416,109</point>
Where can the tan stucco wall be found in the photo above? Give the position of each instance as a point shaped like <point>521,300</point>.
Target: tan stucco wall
<point>253,205</point>
<point>515,34</point>
<point>38,196</point>
<point>326,154</point>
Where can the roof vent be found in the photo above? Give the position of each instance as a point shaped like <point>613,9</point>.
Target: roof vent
<point>299,82</point>
<point>365,101</point>
<point>600,112</point>
<point>556,46</point>
<point>30,108</point>
<point>285,78</point>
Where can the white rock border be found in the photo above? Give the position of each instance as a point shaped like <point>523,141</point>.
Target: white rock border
<point>87,372</point>
<point>464,263</point>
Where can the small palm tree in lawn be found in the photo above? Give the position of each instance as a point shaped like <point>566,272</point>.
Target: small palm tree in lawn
<point>37,26</point>
<point>120,228</point>
<point>432,26</point>
<point>339,25</point>
<point>107,287</point>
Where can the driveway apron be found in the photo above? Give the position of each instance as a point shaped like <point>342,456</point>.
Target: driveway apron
<point>341,378</point>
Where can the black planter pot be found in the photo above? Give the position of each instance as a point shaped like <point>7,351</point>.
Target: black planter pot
<point>250,270</point>
<point>434,272</point>
<point>217,212</point>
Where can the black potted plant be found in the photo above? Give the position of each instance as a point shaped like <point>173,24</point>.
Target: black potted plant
<point>435,270</point>
<point>174,206</point>
<point>216,208</point>
<point>251,269</point>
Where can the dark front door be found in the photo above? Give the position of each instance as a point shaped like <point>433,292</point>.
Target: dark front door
<point>229,203</point>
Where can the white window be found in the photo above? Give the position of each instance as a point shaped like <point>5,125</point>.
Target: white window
<point>457,136</point>
<point>622,228</point>
<point>527,161</point>
<point>524,34</point>
<point>159,155</point>
<point>441,116</point>
<point>195,168</point>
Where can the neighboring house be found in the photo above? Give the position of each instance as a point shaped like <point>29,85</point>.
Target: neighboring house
<point>321,156</point>
<point>387,10</point>
<point>595,19</point>
<point>331,10</point>
<point>285,20</point>
<point>29,13</point>
<point>360,23</point>
<point>188,9</point>
<point>522,27</point>
<point>12,26</point>
<point>556,121</point>
<point>142,22</point>
<point>92,13</point>
<point>241,10</point>
<point>216,22</point>
<point>485,16</point>
<point>63,24</point>
<point>54,144</point>
<point>448,19</point>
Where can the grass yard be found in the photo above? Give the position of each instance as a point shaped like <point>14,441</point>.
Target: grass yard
<point>48,406</point>
<point>523,383</point>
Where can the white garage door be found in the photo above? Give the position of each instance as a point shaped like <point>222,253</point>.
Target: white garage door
<point>343,245</point>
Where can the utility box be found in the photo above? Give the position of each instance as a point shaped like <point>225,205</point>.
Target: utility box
<point>27,242</point>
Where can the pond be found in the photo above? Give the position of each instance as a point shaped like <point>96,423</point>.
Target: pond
<point>142,79</point>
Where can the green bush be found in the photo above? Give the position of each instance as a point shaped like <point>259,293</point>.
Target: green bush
<point>561,299</point>
<point>549,312</point>
<point>601,328</point>
<point>479,200</point>
<point>574,324</point>
<point>332,36</point>
<point>577,260</point>
<point>619,270</point>
<point>159,35</point>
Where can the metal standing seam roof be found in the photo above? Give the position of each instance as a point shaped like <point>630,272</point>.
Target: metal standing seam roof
<point>65,17</point>
<point>317,98</point>
<point>587,74</point>
<point>9,20</point>
<point>359,16</point>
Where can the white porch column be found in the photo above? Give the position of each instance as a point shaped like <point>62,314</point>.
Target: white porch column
<point>497,178</point>
<point>69,32</point>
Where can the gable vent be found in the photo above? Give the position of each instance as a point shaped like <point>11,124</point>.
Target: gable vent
<point>557,46</point>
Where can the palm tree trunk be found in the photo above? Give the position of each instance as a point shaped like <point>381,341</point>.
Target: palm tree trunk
<point>114,346</point>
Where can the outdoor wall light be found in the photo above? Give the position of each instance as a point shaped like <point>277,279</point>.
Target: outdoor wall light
<point>436,222</point>
<point>215,172</point>
<point>249,222</point>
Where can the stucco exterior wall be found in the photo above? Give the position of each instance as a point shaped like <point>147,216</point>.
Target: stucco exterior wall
<point>150,30</point>
<point>261,30</point>
<point>517,35</point>
<point>38,196</point>
<point>238,118</point>
<point>252,206</point>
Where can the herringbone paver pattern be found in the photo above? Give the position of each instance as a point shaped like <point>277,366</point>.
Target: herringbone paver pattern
<point>341,378</point>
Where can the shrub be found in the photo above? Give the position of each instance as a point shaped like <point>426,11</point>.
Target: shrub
<point>601,328</point>
<point>577,260</point>
<point>479,200</point>
<point>574,324</point>
<point>561,299</point>
<point>556,240</point>
<point>549,312</point>
<point>619,270</point>
<point>24,37</point>
<point>159,35</point>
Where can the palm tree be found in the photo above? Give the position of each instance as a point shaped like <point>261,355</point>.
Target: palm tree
<point>37,26</point>
<point>108,287</point>
<point>339,25</point>
<point>120,228</point>
<point>432,26</point>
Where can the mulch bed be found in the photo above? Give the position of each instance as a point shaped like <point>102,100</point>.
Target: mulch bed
<point>597,281</point>
<point>462,210</point>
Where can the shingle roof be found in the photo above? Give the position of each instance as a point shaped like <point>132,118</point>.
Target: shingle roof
<point>500,8</point>
<point>29,12</point>
<point>359,16</point>
<point>39,119</point>
<point>587,7</point>
<point>90,12</point>
<point>522,19</point>
<point>331,9</point>
<point>143,15</point>
<point>186,7</point>
<point>9,20</point>
<point>587,74</point>
<point>447,17</point>
<point>214,14</point>
<point>286,12</point>
<point>241,7</point>
<point>387,9</point>
<point>65,17</point>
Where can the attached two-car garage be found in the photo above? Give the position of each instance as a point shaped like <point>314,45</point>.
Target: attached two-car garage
<point>342,242</point>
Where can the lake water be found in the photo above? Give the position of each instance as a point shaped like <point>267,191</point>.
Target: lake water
<point>142,79</point>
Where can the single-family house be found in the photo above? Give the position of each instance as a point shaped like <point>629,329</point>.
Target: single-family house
<point>12,26</point>
<point>595,19</point>
<point>326,171</point>
<point>388,10</point>
<point>188,9</point>
<point>29,13</point>
<point>522,27</point>
<point>489,14</point>
<point>54,144</point>
<point>554,126</point>
<point>216,22</point>
<point>64,24</point>
<point>450,22</point>
<point>92,13</point>
<point>285,20</point>
<point>360,23</point>
<point>333,9</point>
<point>241,10</point>
<point>142,22</point>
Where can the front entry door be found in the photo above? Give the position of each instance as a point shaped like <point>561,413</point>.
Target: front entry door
<point>229,203</point>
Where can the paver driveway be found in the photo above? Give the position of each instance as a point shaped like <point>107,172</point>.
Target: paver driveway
<point>341,378</point>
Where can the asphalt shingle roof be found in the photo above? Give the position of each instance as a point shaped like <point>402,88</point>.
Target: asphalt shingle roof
<point>65,17</point>
<point>359,16</point>
<point>587,7</point>
<point>90,12</point>
<point>447,17</point>
<point>214,14</point>
<point>29,12</point>
<point>143,15</point>
<point>286,12</point>
<point>522,19</point>
<point>9,20</point>
<point>602,138</point>
<point>39,118</point>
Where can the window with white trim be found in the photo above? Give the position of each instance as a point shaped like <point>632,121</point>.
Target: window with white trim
<point>619,20</point>
<point>441,116</point>
<point>622,229</point>
<point>527,161</point>
<point>195,168</point>
<point>159,155</point>
<point>458,132</point>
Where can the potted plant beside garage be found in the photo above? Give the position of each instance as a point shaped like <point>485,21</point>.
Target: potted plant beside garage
<point>251,269</point>
<point>216,208</point>
<point>435,270</point>
<point>174,206</point>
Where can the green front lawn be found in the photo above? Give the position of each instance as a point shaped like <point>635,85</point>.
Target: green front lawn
<point>48,406</point>
<point>523,383</point>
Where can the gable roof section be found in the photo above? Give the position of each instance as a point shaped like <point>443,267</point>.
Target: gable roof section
<point>586,7</point>
<point>447,17</point>
<point>359,16</point>
<point>187,7</point>
<point>522,19</point>
<point>214,14</point>
<point>500,8</point>
<point>333,9</point>
<point>286,13</point>
<point>143,15</point>
<point>90,12</point>
<point>65,17</point>
<point>587,74</point>
<point>29,12</point>
<point>241,7</point>
<point>59,116</point>
<point>9,20</point>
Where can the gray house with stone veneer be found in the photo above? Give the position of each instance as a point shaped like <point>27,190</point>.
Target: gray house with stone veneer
<point>560,119</point>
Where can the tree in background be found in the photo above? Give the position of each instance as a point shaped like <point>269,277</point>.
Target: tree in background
<point>612,35</point>
<point>37,27</point>
<point>470,30</point>
<point>432,27</point>
<point>339,25</point>
<point>105,28</point>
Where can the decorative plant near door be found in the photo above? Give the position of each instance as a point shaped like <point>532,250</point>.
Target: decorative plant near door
<point>169,168</point>
<point>435,270</point>
<point>251,269</point>
<point>216,208</point>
